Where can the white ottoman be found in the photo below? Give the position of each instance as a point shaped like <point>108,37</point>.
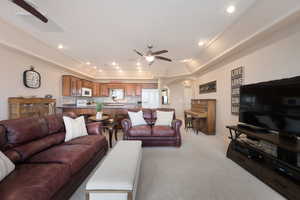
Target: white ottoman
<point>117,177</point>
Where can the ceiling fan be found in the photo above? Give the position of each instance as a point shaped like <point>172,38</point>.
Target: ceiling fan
<point>151,56</point>
<point>26,5</point>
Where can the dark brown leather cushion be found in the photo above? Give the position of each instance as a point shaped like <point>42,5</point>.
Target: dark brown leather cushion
<point>96,141</point>
<point>143,130</point>
<point>163,131</point>
<point>29,149</point>
<point>55,123</point>
<point>2,137</point>
<point>75,156</point>
<point>24,130</point>
<point>34,181</point>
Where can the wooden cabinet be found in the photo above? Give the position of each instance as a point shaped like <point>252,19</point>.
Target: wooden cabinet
<point>30,107</point>
<point>96,89</point>
<point>149,85</point>
<point>104,90</point>
<point>138,90</point>
<point>71,86</point>
<point>87,84</point>
<point>130,89</point>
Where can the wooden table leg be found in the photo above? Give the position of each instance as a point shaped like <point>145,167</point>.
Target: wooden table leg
<point>110,131</point>
<point>116,134</point>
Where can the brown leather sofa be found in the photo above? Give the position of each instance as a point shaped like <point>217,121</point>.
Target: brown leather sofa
<point>46,166</point>
<point>151,135</point>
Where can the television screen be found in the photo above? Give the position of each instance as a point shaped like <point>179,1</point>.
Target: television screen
<point>273,105</point>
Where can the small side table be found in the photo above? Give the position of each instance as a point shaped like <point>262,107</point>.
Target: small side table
<point>107,124</point>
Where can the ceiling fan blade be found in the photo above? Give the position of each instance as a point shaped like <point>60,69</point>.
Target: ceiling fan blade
<point>163,58</point>
<point>138,52</point>
<point>26,6</point>
<point>159,52</point>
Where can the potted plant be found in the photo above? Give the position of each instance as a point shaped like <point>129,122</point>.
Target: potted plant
<point>99,107</point>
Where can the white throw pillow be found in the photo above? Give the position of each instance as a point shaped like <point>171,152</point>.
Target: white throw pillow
<point>164,118</point>
<point>137,118</point>
<point>74,128</point>
<point>6,166</point>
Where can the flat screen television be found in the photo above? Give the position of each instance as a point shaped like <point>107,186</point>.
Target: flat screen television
<point>273,105</point>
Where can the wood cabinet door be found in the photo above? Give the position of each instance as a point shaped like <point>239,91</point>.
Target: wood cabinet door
<point>66,86</point>
<point>138,90</point>
<point>96,89</point>
<point>74,91</point>
<point>104,90</point>
<point>79,87</point>
<point>150,85</point>
<point>87,84</point>
<point>129,90</point>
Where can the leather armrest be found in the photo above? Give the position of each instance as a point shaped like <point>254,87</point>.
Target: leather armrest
<point>176,125</point>
<point>94,128</point>
<point>126,125</point>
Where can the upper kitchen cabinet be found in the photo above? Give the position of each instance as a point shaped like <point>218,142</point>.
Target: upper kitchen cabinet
<point>130,89</point>
<point>87,84</point>
<point>96,89</point>
<point>104,90</point>
<point>150,85</point>
<point>138,90</point>
<point>71,86</point>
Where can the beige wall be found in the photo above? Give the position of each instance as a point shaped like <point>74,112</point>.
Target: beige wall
<point>13,64</point>
<point>275,57</point>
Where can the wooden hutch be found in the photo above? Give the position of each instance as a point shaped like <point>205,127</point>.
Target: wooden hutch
<point>30,107</point>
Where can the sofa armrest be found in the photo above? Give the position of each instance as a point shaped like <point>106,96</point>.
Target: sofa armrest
<point>176,125</point>
<point>126,125</point>
<point>94,128</point>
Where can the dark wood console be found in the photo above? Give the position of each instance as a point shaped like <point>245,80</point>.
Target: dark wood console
<point>274,170</point>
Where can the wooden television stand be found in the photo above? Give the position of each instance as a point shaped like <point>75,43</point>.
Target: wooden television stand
<point>279,171</point>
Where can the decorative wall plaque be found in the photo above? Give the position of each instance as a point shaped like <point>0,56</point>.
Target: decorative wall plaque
<point>208,87</point>
<point>237,79</point>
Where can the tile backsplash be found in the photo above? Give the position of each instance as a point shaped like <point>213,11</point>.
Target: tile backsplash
<point>72,100</point>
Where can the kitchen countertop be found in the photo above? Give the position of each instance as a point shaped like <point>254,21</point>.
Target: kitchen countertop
<point>108,105</point>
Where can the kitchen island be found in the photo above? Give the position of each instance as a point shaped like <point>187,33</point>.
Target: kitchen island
<point>111,109</point>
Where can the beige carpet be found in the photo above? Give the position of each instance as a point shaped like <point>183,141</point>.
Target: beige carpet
<point>198,170</point>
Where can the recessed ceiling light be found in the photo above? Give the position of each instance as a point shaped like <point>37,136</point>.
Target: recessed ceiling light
<point>100,70</point>
<point>88,63</point>
<point>120,70</point>
<point>230,9</point>
<point>201,43</point>
<point>60,46</point>
<point>114,63</point>
<point>138,64</point>
<point>140,70</point>
<point>117,67</point>
<point>95,67</point>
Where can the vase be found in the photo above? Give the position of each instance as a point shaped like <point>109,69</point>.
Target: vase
<point>99,115</point>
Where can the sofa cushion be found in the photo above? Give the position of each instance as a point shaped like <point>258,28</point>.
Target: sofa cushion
<point>6,166</point>
<point>24,130</point>
<point>55,123</point>
<point>96,141</point>
<point>29,149</point>
<point>3,140</point>
<point>144,130</point>
<point>34,181</point>
<point>137,118</point>
<point>75,156</point>
<point>162,131</point>
<point>154,114</point>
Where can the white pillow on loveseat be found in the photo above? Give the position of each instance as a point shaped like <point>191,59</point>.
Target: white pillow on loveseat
<point>164,118</point>
<point>6,166</point>
<point>74,128</point>
<point>137,118</point>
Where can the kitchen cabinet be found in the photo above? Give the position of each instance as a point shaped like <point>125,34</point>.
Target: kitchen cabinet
<point>104,90</point>
<point>138,90</point>
<point>71,86</point>
<point>96,89</point>
<point>130,90</point>
<point>150,85</point>
<point>87,84</point>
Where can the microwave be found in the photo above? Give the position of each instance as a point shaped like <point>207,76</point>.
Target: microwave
<point>86,92</point>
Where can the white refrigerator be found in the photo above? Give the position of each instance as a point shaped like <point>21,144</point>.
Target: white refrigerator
<point>150,98</point>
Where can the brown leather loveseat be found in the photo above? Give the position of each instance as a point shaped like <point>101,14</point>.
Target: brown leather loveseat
<point>151,135</point>
<point>46,166</point>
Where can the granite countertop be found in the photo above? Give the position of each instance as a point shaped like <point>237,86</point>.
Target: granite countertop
<point>105,105</point>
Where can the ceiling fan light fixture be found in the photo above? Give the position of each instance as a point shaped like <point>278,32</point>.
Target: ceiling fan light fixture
<point>150,58</point>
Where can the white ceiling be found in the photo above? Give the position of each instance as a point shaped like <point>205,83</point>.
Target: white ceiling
<point>101,31</point>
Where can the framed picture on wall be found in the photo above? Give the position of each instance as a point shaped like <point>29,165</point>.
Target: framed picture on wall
<point>237,79</point>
